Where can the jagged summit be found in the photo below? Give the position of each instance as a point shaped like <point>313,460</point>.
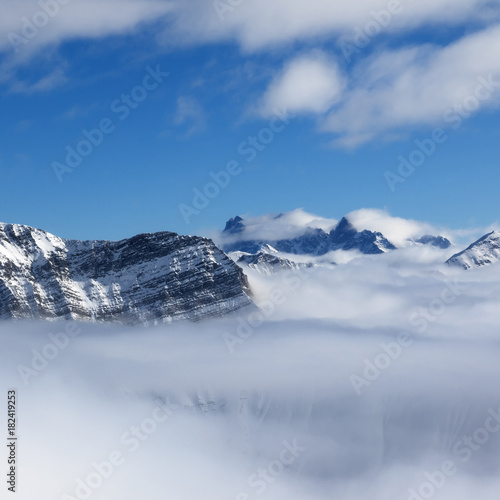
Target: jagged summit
<point>234,225</point>
<point>344,232</point>
<point>310,241</point>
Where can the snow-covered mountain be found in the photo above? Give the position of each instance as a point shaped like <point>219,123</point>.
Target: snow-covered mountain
<point>299,233</point>
<point>150,278</point>
<point>312,241</point>
<point>484,251</point>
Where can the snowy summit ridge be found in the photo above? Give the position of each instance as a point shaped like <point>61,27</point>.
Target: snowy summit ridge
<point>150,278</point>
<point>484,251</point>
<point>311,240</point>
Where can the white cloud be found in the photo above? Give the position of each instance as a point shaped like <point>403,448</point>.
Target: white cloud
<point>289,379</point>
<point>254,25</point>
<point>309,83</point>
<point>75,19</point>
<point>398,230</point>
<point>395,229</point>
<point>419,86</point>
<point>28,31</point>
<point>394,89</point>
<point>258,24</point>
<point>272,227</point>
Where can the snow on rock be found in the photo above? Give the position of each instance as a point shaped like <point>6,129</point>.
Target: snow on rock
<point>312,241</point>
<point>484,251</point>
<point>148,279</point>
<point>266,263</point>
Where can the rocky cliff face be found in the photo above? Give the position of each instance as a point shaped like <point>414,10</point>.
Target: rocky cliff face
<point>150,278</point>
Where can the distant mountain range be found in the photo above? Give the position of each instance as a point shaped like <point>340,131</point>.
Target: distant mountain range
<point>317,242</point>
<point>314,242</point>
<point>164,277</point>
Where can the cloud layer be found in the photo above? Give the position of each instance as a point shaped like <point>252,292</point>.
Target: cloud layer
<point>378,93</point>
<point>254,25</point>
<point>259,24</point>
<point>288,379</point>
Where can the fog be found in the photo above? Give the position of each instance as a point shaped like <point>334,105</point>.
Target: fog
<point>374,379</point>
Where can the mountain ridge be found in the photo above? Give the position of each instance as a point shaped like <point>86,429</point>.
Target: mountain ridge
<point>316,241</point>
<point>484,251</point>
<point>149,278</point>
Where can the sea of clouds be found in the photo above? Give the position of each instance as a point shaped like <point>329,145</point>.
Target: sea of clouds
<point>374,379</point>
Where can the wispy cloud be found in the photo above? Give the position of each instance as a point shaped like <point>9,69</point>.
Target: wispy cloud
<point>190,115</point>
<point>393,90</point>
<point>33,28</point>
<point>418,86</point>
<point>261,24</point>
<point>400,231</point>
<point>44,84</point>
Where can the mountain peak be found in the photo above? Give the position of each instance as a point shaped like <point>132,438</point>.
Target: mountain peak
<point>150,278</point>
<point>307,239</point>
<point>234,225</point>
<point>484,251</point>
<point>343,232</point>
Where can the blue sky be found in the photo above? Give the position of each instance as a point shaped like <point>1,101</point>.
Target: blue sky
<point>355,87</point>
